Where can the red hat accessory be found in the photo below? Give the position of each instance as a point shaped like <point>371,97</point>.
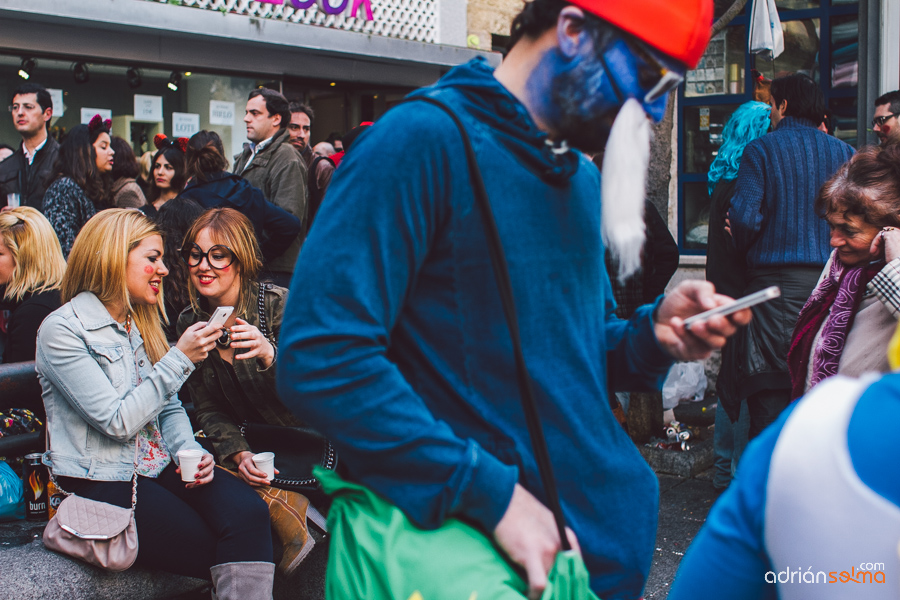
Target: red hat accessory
<point>182,143</point>
<point>160,141</point>
<point>97,122</point>
<point>678,28</point>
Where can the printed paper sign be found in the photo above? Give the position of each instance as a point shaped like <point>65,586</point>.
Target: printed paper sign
<point>704,119</point>
<point>148,108</point>
<point>221,113</point>
<point>185,124</point>
<point>88,113</point>
<point>57,96</point>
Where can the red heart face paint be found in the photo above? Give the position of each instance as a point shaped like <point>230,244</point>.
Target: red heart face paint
<point>886,130</point>
<point>149,270</point>
<point>225,269</point>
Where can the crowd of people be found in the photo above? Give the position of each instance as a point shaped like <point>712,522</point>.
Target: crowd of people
<point>392,340</point>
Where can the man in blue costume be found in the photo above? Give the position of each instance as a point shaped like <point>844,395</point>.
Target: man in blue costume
<point>394,343</point>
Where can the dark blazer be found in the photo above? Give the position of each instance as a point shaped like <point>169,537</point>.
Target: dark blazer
<point>29,181</point>
<point>275,228</point>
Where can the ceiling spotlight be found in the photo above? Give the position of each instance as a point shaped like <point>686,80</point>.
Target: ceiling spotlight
<point>27,68</point>
<point>174,81</point>
<point>133,77</point>
<point>80,72</point>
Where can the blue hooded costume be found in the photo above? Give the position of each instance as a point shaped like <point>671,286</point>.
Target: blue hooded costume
<point>396,348</point>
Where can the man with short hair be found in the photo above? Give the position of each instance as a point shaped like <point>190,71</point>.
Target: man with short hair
<point>271,164</point>
<point>781,240</point>
<point>396,348</point>
<point>30,169</point>
<point>319,168</point>
<point>885,124</point>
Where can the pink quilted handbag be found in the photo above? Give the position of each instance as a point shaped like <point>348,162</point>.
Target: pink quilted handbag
<point>98,533</point>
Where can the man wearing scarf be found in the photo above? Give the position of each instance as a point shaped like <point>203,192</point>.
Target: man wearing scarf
<point>395,345</point>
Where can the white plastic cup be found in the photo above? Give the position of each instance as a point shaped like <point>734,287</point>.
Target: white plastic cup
<point>12,200</point>
<point>265,462</point>
<point>189,461</point>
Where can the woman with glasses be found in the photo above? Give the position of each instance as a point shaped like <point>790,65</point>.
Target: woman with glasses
<point>111,386</point>
<point>236,382</point>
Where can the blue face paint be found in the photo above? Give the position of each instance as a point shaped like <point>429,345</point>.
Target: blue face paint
<point>579,96</point>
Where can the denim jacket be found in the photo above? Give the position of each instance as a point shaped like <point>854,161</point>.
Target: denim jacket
<point>88,367</point>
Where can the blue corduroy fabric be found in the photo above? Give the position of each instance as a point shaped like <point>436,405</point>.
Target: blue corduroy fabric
<point>773,220</point>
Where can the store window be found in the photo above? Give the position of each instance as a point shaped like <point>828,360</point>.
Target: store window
<point>821,39</point>
<point>140,103</point>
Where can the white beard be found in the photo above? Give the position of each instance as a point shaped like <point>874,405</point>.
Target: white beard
<point>625,164</point>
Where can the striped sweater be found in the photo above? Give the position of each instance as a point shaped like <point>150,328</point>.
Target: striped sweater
<point>773,220</point>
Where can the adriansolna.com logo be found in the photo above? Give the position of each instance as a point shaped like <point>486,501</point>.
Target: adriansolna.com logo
<point>864,573</point>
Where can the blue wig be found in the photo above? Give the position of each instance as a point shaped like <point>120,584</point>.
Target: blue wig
<point>749,121</point>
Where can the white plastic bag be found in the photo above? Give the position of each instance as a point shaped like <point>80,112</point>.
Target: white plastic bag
<point>766,34</point>
<point>685,381</point>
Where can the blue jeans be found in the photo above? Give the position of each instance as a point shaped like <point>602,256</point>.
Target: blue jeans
<point>729,442</point>
<point>188,531</point>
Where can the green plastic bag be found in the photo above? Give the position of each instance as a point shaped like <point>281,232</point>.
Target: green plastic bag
<point>377,553</point>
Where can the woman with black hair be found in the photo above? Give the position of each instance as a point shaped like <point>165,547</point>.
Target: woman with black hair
<point>125,190</point>
<point>167,176</point>
<point>82,185</point>
<point>214,187</point>
<point>175,219</point>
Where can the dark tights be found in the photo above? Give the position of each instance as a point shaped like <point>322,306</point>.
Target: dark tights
<point>188,531</point>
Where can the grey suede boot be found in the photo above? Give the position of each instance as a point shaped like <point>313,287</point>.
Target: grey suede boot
<point>243,581</point>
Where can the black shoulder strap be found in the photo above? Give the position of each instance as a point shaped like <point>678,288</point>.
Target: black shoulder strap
<point>504,286</point>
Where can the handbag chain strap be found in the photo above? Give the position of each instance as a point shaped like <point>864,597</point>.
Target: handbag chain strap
<point>504,285</point>
<point>261,307</point>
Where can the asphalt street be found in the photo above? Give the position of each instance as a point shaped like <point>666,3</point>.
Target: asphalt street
<point>683,506</point>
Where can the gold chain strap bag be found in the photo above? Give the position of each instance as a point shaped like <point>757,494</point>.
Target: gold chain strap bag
<point>98,533</point>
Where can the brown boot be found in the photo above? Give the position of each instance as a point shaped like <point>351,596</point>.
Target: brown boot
<point>287,511</point>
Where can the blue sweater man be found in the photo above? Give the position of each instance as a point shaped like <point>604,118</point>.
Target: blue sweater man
<point>395,345</point>
<point>780,238</point>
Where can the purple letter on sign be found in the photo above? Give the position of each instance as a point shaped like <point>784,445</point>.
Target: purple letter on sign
<point>303,4</point>
<point>367,4</point>
<point>326,7</point>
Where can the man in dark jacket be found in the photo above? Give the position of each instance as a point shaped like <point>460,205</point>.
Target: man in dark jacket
<point>271,164</point>
<point>396,348</point>
<point>29,171</point>
<point>319,168</point>
<point>780,238</point>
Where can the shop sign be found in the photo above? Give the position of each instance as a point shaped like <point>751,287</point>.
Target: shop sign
<point>56,96</point>
<point>221,113</point>
<point>185,124</point>
<point>330,7</point>
<point>148,108</point>
<point>88,113</point>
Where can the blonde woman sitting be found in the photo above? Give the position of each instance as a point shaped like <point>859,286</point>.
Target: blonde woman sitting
<point>110,384</point>
<point>31,268</point>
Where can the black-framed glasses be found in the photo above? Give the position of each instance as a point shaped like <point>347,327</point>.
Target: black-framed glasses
<point>217,256</point>
<point>880,121</point>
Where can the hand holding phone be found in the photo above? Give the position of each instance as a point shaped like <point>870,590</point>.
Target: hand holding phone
<point>220,317</point>
<point>759,297</point>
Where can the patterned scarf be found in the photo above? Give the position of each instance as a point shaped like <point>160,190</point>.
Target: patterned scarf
<point>841,292</point>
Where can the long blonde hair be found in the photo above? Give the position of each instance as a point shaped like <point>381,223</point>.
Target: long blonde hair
<point>98,264</point>
<point>35,249</point>
<point>234,230</point>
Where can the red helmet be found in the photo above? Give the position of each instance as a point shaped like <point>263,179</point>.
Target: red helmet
<point>678,28</point>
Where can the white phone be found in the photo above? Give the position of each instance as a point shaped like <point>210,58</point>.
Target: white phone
<point>770,293</point>
<point>220,316</point>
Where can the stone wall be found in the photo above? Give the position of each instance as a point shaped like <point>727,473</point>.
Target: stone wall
<point>488,17</point>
